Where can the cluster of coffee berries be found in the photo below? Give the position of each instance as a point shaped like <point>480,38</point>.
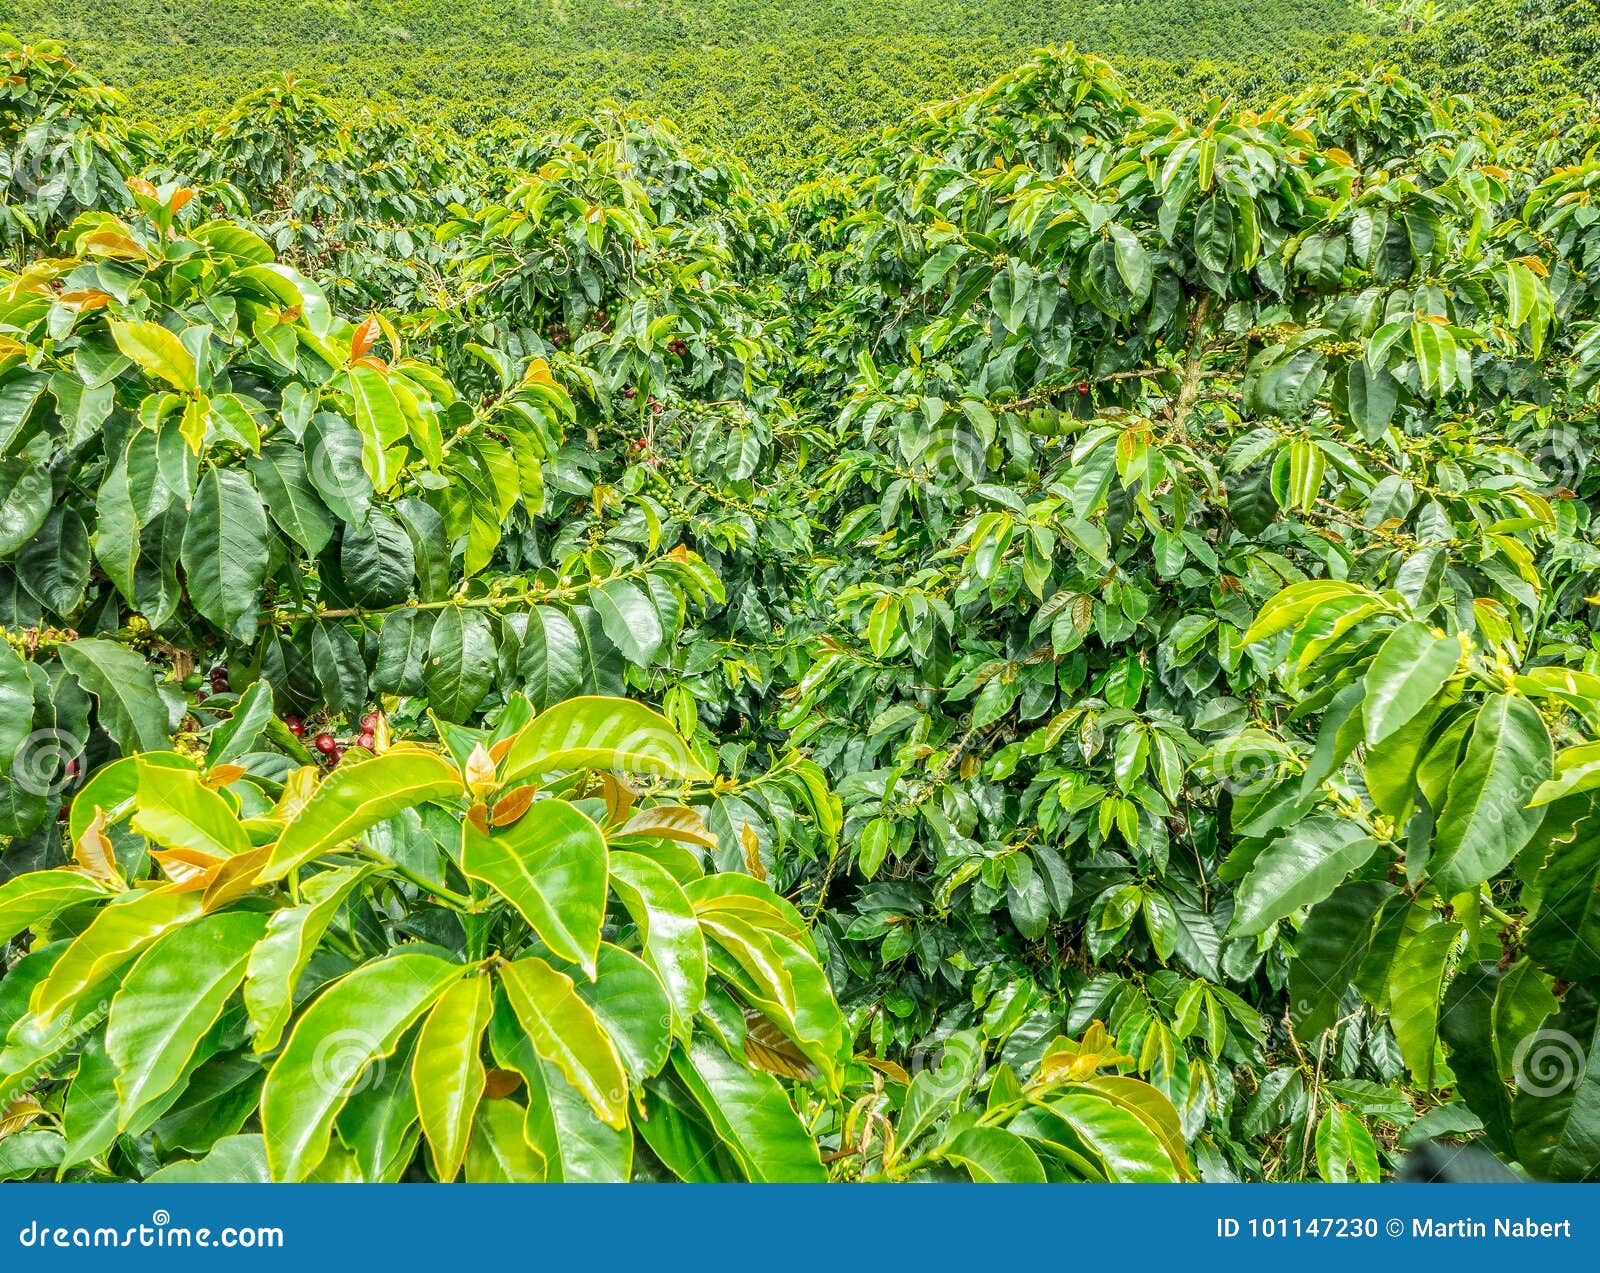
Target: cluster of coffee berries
<point>218,677</point>
<point>329,745</point>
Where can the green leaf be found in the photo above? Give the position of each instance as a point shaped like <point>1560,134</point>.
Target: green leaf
<point>381,424</point>
<point>447,1073</point>
<point>54,565</point>
<point>1466,1024</point>
<point>601,733</point>
<point>551,865</point>
<point>18,397</point>
<point>564,1031</point>
<point>157,351</point>
<point>1300,869</point>
<point>1113,1140</point>
<point>629,620</point>
<point>550,661</point>
<point>629,1002</point>
<point>232,1160</point>
<point>355,1022</point>
<point>1557,1108</point>
<point>994,1156</point>
<point>379,1121</point>
<point>283,953</point>
<point>669,932</point>
<point>1416,988</point>
<point>115,935</point>
<point>355,797</point>
<point>461,663</point>
<point>338,665</point>
<point>377,561</point>
<point>1410,669</point>
<point>1577,770</point>
<point>1486,821</point>
<point>751,1115</point>
<point>576,1146</point>
<point>16,704</point>
<point>499,1153</point>
<point>781,978</point>
<point>1329,950</point>
<point>238,734</point>
<point>131,708</point>
<point>1133,263</point>
<point>221,1094</point>
<point>170,998</point>
<point>937,1090</point>
<point>89,1116</point>
<point>403,653</point>
<point>1565,934</point>
<point>280,475</point>
<point>25,1153</point>
<point>225,550</point>
<point>176,809</point>
<point>31,899</point>
<point>26,498</point>
<point>1345,1148</point>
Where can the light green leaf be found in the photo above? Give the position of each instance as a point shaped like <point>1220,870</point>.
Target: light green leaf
<point>565,1032</point>
<point>668,931</point>
<point>994,1156</point>
<point>447,1073</point>
<point>282,954</point>
<point>355,797</point>
<point>170,998</point>
<point>355,1022</point>
<point>602,733</point>
<point>751,1115</point>
<point>551,865</point>
<point>158,351</point>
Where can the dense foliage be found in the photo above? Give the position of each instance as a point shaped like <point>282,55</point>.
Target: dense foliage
<point>780,85</point>
<point>783,86</point>
<point>1061,649</point>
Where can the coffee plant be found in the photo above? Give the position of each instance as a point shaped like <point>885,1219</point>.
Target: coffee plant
<point>1059,646</point>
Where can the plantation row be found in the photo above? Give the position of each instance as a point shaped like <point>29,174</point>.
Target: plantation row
<point>784,87</point>
<point>1061,649</point>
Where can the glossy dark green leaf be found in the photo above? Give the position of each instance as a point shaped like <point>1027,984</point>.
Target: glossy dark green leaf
<point>225,547</point>
<point>550,661</point>
<point>131,709</point>
<point>460,666</point>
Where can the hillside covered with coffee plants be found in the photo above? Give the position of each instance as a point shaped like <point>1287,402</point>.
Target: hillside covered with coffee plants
<point>1058,647</point>
<point>779,85</point>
